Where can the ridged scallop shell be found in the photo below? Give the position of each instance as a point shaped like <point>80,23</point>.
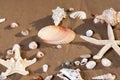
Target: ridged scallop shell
<point>56,35</point>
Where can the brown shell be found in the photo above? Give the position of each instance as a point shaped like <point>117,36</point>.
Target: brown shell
<point>56,35</point>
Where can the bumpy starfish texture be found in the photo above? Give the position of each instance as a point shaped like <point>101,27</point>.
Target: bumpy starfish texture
<point>111,42</point>
<point>15,64</point>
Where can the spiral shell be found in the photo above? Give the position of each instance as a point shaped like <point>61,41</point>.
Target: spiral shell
<point>56,35</point>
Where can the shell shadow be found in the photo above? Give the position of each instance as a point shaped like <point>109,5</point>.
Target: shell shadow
<point>38,24</point>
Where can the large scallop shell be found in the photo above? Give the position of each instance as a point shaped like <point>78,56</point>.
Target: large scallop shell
<point>56,35</point>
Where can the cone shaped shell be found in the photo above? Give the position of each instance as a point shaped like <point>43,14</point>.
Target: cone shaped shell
<point>56,35</point>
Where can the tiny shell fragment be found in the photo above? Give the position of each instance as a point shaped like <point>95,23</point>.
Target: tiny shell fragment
<point>14,25</point>
<point>59,46</point>
<point>85,56</point>
<point>49,77</point>
<point>9,52</point>
<point>89,33</point>
<point>40,54</point>
<point>79,14</point>
<point>106,62</point>
<point>84,61</point>
<point>90,64</point>
<point>2,20</point>
<point>71,9</point>
<point>33,45</point>
<point>77,63</point>
<point>25,32</point>
<point>45,68</point>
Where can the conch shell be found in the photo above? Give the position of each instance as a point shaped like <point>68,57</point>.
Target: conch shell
<point>110,16</point>
<point>56,35</point>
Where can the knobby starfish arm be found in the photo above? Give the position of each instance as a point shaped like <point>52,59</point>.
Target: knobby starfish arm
<point>116,48</point>
<point>94,41</point>
<point>100,54</point>
<point>110,32</point>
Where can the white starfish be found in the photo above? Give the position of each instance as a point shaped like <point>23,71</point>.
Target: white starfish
<point>111,42</point>
<point>15,64</point>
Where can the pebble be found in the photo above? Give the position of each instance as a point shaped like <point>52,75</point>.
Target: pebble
<point>106,62</point>
<point>90,64</point>
<point>89,33</point>
<point>33,45</point>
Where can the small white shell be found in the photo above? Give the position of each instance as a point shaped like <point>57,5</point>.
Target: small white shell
<point>33,45</point>
<point>2,20</point>
<point>59,46</point>
<point>40,54</point>
<point>83,61</point>
<point>9,52</point>
<point>77,63</point>
<point>25,32</point>
<point>79,14</point>
<point>90,64</point>
<point>89,33</point>
<point>106,62</point>
<point>14,25</point>
<point>49,77</point>
<point>45,68</point>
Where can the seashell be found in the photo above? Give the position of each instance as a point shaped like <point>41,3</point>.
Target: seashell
<point>107,76</point>
<point>59,46</point>
<point>2,20</point>
<point>10,52</point>
<point>79,14</point>
<point>90,64</point>
<point>106,62</point>
<point>49,77</point>
<point>45,68</point>
<point>85,56</point>
<point>40,54</point>
<point>37,78</point>
<point>56,35</point>
<point>110,16</point>
<point>84,61</point>
<point>33,45</point>
<point>58,15</point>
<point>77,63</point>
<point>89,33</point>
<point>14,25</point>
<point>25,32</point>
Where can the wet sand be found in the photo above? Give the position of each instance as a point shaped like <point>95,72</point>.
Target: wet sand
<point>35,14</point>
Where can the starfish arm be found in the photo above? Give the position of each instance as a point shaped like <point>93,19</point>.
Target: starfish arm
<point>100,54</point>
<point>29,62</point>
<point>110,32</point>
<point>116,48</point>
<point>94,41</point>
<point>7,63</point>
<point>117,42</point>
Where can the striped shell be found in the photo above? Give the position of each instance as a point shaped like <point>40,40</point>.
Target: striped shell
<point>56,35</point>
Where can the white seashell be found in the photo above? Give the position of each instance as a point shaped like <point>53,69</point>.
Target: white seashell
<point>33,45</point>
<point>58,15</point>
<point>106,62</point>
<point>2,20</point>
<point>59,46</point>
<point>77,63</point>
<point>79,14</point>
<point>85,56</point>
<point>14,25</point>
<point>83,61</point>
<point>25,32</point>
<point>56,35</point>
<point>40,54</point>
<point>49,77</point>
<point>90,64</point>
<point>10,52</point>
<point>107,76</point>
<point>89,33</point>
<point>45,68</point>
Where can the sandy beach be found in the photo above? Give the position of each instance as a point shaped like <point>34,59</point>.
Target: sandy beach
<point>36,14</point>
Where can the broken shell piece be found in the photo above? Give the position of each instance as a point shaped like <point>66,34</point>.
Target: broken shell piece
<point>71,9</point>
<point>40,54</point>
<point>106,62</point>
<point>84,61</point>
<point>90,64</point>
<point>56,35</point>
<point>25,32</point>
<point>45,68</point>
<point>49,77</point>
<point>79,14</point>
<point>33,45</point>
<point>37,78</point>
<point>2,20</point>
<point>70,74</point>
<point>89,33</point>
<point>10,52</point>
<point>85,56</point>
<point>14,25</point>
<point>67,64</point>
<point>107,76</point>
<point>59,46</point>
<point>77,63</point>
<point>58,15</point>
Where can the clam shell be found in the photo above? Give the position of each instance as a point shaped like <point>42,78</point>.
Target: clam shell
<point>56,35</point>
